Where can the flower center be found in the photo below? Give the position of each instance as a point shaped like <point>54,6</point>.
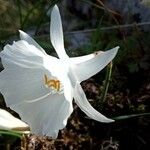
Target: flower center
<point>53,84</point>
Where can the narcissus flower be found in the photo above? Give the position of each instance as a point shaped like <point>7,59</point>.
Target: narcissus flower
<point>41,87</point>
<point>9,122</point>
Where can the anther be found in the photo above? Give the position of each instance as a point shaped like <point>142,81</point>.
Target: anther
<point>52,83</point>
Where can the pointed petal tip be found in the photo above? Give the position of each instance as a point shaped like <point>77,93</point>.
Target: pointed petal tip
<point>115,49</point>
<point>21,32</point>
<point>103,119</point>
<point>113,52</point>
<point>55,8</point>
<point>56,33</point>
<point>85,106</point>
<point>107,120</point>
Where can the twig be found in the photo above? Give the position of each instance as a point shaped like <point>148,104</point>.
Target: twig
<point>111,28</point>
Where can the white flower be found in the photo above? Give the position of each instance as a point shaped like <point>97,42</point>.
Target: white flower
<point>41,87</point>
<point>9,122</point>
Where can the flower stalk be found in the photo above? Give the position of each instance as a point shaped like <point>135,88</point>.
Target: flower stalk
<point>106,85</point>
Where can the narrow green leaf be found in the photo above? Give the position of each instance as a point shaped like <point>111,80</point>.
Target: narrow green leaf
<point>11,133</point>
<point>130,116</point>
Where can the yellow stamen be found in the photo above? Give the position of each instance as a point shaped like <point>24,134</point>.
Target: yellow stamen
<point>52,83</point>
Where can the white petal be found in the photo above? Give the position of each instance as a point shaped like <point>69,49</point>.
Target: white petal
<point>23,54</point>
<point>81,59</point>
<point>23,73</point>
<point>67,89</point>
<point>56,33</point>
<point>24,36</point>
<point>85,106</point>
<point>46,116</point>
<point>9,122</point>
<point>22,84</point>
<point>85,70</point>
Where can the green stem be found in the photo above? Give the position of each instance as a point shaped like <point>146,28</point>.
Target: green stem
<point>106,84</point>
